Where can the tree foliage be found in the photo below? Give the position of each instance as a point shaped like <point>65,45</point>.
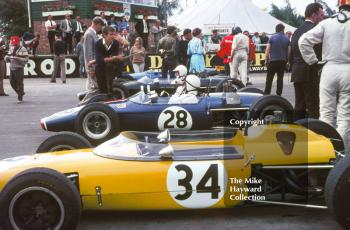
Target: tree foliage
<point>166,9</point>
<point>14,16</point>
<point>286,14</point>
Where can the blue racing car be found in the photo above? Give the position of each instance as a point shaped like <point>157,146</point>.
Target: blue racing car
<point>146,112</point>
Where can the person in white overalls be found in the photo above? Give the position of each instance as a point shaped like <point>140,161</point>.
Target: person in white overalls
<point>334,34</point>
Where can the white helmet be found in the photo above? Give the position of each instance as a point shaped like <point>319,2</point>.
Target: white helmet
<point>193,83</point>
<point>182,70</point>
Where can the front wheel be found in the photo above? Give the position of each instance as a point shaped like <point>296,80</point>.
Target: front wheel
<point>63,141</point>
<point>97,122</point>
<point>39,198</point>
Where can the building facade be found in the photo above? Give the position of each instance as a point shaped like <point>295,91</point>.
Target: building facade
<point>86,9</point>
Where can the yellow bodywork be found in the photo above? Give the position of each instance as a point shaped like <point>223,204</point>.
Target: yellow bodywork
<point>139,185</point>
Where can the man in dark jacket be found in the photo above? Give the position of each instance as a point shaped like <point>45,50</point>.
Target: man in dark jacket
<point>142,28</point>
<point>182,47</point>
<point>3,51</point>
<point>107,55</point>
<point>305,77</point>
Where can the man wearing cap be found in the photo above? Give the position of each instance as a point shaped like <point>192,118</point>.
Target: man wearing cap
<point>334,34</point>
<point>18,58</point>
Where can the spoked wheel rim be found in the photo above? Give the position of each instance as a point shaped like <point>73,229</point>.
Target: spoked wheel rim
<point>270,110</point>
<point>36,208</point>
<point>61,148</point>
<point>97,125</point>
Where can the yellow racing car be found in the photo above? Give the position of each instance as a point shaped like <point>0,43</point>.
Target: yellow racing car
<point>168,171</point>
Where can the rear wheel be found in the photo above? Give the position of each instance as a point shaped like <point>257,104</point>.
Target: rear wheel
<point>97,122</point>
<point>251,90</point>
<point>235,83</point>
<point>63,141</point>
<point>39,198</point>
<point>267,106</point>
<point>120,91</point>
<point>337,192</point>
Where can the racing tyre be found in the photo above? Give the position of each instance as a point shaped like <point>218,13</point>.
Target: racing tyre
<point>39,198</point>
<point>63,141</point>
<point>120,91</point>
<point>251,90</point>
<point>337,192</point>
<point>324,129</point>
<point>235,83</point>
<point>269,104</point>
<point>101,97</point>
<point>97,122</point>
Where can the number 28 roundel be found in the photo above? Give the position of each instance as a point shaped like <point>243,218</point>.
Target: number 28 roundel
<point>197,184</point>
<point>175,117</point>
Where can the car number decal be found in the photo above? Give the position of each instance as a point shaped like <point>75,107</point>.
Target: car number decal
<point>197,184</point>
<point>175,117</point>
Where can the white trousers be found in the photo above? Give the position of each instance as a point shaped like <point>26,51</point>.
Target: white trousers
<point>335,99</point>
<point>239,64</point>
<point>138,67</point>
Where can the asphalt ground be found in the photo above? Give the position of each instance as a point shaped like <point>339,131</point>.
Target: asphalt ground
<point>20,133</point>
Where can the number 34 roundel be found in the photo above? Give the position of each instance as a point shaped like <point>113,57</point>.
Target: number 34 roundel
<point>197,184</point>
<point>174,117</point>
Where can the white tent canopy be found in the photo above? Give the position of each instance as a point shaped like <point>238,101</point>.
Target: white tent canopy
<point>242,13</point>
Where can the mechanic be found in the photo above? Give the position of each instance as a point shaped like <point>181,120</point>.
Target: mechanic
<point>304,77</point>
<point>187,93</point>
<point>239,53</point>
<point>167,47</point>
<point>334,34</point>
<point>225,52</point>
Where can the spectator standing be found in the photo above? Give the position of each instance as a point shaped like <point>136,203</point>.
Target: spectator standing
<point>225,53</point>
<point>78,29</point>
<point>156,31</point>
<point>264,40</point>
<point>50,26</point>
<point>137,56</point>
<point>67,33</point>
<point>103,17</point>
<point>183,46</point>
<point>3,49</point>
<point>113,22</point>
<point>240,55</point>
<point>334,34</point>
<point>257,42</point>
<point>215,37</point>
<point>167,46</point>
<point>304,77</point>
<point>79,51</point>
<point>277,52</point>
<point>90,38</point>
<point>107,55</point>
<point>59,59</point>
<point>142,28</point>
<point>196,51</point>
<point>124,24</point>
<point>18,58</point>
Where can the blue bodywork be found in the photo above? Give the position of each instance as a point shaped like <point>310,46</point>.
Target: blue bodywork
<point>136,113</point>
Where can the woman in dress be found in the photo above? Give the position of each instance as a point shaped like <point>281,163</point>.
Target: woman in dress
<point>196,52</point>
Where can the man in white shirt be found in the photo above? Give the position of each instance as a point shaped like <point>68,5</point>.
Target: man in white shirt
<point>142,28</point>
<point>240,54</point>
<point>78,29</point>
<point>50,26</point>
<point>334,34</point>
<point>67,33</point>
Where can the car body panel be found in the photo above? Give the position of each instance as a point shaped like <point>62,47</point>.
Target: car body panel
<point>132,182</point>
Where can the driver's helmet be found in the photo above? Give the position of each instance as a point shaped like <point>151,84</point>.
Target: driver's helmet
<point>180,71</point>
<point>193,83</point>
